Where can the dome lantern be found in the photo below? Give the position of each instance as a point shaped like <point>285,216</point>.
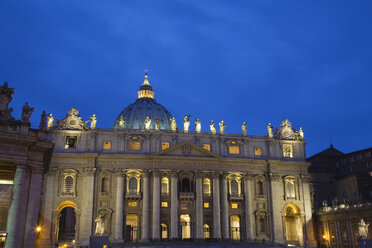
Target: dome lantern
<point>146,89</point>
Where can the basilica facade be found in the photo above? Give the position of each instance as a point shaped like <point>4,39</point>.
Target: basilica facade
<point>145,179</point>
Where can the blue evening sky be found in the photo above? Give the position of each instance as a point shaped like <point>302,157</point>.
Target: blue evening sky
<point>253,61</point>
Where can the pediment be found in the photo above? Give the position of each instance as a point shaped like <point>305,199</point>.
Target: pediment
<point>187,149</point>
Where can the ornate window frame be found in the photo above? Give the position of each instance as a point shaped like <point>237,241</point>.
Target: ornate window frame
<point>257,180</point>
<point>63,175</point>
<point>287,153</point>
<point>234,143</point>
<point>261,215</point>
<point>105,175</point>
<point>290,180</point>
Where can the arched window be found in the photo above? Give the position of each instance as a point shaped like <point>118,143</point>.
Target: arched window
<point>290,189</point>
<point>260,190</point>
<point>206,187</point>
<point>234,187</point>
<point>207,231</point>
<point>164,186</point>
<point>185,186</point>
<point>68,184</point>
<point>105,185</point>
<point>262,227</point>
<point>164,231</point>
<point>133,185</point>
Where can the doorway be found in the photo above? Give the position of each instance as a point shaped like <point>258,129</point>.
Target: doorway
<point>131,230</point>
<point>186,226</point>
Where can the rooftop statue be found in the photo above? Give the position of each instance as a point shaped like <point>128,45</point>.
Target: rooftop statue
<point>222,127</point>
<point>362,229</point>
<point>72,121</point>
<point>186,123</point>
<point>244,128</point>
<point>100,226</point>
<point>269,131</point>
<point>122,122</point>
<point>26,113</point>
<point>212,127</point>
<point>301,133</point>
<point>5,98</point>
<point>93,121</point>
<point>173,124</point>
<point>197,125</point>
<point>50,120</point>
<point>147,123</point>
<point>157,124</point>
<point>43,121</point>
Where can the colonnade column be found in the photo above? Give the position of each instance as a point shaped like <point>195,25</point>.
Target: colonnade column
<point>174,207</point>
<point>86,226</point>
<point>248,206</point>
<point>224,208</point>
<point>276,229</point>
<point>33,207</point>
<point>156,206</point>
<point>216,206</point>
<point>308,225</point>
<point>14,240</point>
<point>119,208</point>
<point>145,208</point>
<point>199,206</point>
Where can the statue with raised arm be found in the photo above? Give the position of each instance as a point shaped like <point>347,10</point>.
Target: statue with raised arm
<point>50,120</point>
<point>362,229</point>
<point>197,125</point>
<point>121,122</point>
<point>43,121</point>
<point>270,131</point>
<point>157,124</point>
<point>147,123</point>
<point>26,113</point>
<point>212,127</point>
<point>100,226</point>
<point>93,121</point>
<point>222,127</point>
<point>173,124</point>
<point>244,128</point>
<point>186,123</point>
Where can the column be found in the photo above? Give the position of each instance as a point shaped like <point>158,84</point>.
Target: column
<point>86,219</point>
<point>224,209</point>
<point>248,206</point>
<point>33,207</point>
<point>199,206</point>
<point>216,206</point>
<point>14,239</point>
<point>118,235</point>
<point>276,193</point>
<point>174,207</point>
<point>156,206</point>
<point>310,237</point>
<point>145,208</point>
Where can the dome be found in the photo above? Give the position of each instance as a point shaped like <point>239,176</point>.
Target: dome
<point>134,115</point>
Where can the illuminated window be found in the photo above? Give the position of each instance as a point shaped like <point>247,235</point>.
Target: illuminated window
<point>70,142</point>
<point>164,186</point>
<point>290,189</point>
<point>258,151</point>
<point>133,185</point>
<point>206,187</point>
<point>164,145</point>
<point>206,231</point>
<point>132,204</point>
<point>164,204</point>
<point>207,147</point>
<point>68,184</point>
<point>235,227</point>
<point>234,205</point>
<point>206,205</point>
<point>287,151</point>
<point>164,231</point>
<point>234,188</point>
<point>233,149</point>
<point>134,145</point>
<point>106,145</point>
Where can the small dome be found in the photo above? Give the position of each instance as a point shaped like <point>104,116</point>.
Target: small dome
<point>145,106</point>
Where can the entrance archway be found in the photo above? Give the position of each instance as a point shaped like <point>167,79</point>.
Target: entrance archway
<point>66,223</point>
<point>235,227</point>
<point>293,225</point>
<point>186,226</point>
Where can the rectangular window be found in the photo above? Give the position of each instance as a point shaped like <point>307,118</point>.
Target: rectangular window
<point>132,204</point>
<point>164,145</point>
<point>287,151</point>
<point>106,145</point>
<point>206,204</point>
<point>134,145</point>
<point>70,142</point>
<point>258,151</point>
<point>233,149</point>
<point>164,204</point>
<point>234,205</point>
<point>207,147</point>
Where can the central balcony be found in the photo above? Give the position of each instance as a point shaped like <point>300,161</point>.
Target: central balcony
<point>133,195</point>
<point>236,197</point>
<point>187,196</point>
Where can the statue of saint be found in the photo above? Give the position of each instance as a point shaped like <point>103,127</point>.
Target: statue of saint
<point>212,127</point>
<point>197,125</point>
<point>222,127</point>
<point>26,113</point>
<point>5,97</point>
<point>270,131</point>
<point>186,123</point>
<point>362,229</point>
<point>121,122</point>
<point>173,124</point>
<point>244,128</point>
<point>147,123</point>
<point>50,120</point>
<point>100,226</point>
<point>301,133</point>
<point>43,121</point>
<point>93,121</point>
<point>157,124</point>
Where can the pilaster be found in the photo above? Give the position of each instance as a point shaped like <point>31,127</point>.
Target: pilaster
<point>224,208</point>
<point>248,179</point>
<point>174,206</point>
<point>275,208</point>
<point>86,219</point>
<point>156,206</point>
<point>199,205</point>
<point>145,207</point>
<point>216,206</point>
<point>119,207</point>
